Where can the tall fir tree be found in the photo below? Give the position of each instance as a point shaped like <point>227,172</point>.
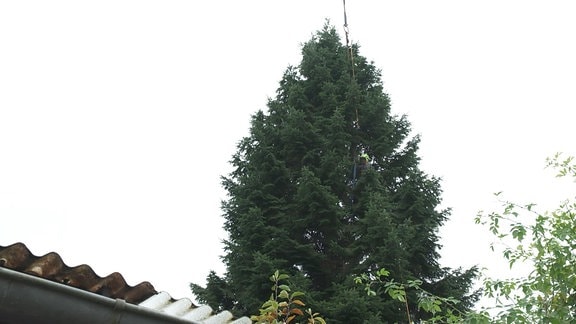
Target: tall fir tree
<point>303,201</point>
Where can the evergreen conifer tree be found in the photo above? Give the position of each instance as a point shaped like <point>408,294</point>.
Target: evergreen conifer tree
<point>301,200</point>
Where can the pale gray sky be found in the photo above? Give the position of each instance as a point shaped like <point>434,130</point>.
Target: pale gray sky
<point>118,117</point>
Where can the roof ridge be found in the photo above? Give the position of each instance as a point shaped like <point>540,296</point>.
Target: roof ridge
<point>50,266</point>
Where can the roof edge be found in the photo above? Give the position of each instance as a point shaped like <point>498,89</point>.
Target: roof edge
<point>28,299</point>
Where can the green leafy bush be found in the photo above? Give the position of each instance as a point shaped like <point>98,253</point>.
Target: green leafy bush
<point>285,306</point>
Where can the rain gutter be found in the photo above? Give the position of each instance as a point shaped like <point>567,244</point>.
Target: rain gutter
<point>28,299</point>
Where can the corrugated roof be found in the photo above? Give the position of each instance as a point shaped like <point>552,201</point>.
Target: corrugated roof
<point>184,308</point>
<point>51,267</point>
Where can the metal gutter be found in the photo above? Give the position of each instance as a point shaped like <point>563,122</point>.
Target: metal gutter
<point>28,299</point>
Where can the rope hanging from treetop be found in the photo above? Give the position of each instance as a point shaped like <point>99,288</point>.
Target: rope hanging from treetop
<point>347,33</point>
<point>361,159</point>
<point>350,54</point>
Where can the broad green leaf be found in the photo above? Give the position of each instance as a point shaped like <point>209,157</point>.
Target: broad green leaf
<point>284,287</point>
<point>283,294</point>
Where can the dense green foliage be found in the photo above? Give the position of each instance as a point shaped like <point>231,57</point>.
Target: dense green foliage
<point>298,201</point>
<point>547,242</point>
<point>285,306</point>
<point>440,309</point>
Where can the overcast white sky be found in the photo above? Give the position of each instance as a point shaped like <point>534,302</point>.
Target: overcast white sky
<point>117,118</point>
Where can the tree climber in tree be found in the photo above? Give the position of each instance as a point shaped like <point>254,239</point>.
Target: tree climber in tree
<point>363,160</point>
